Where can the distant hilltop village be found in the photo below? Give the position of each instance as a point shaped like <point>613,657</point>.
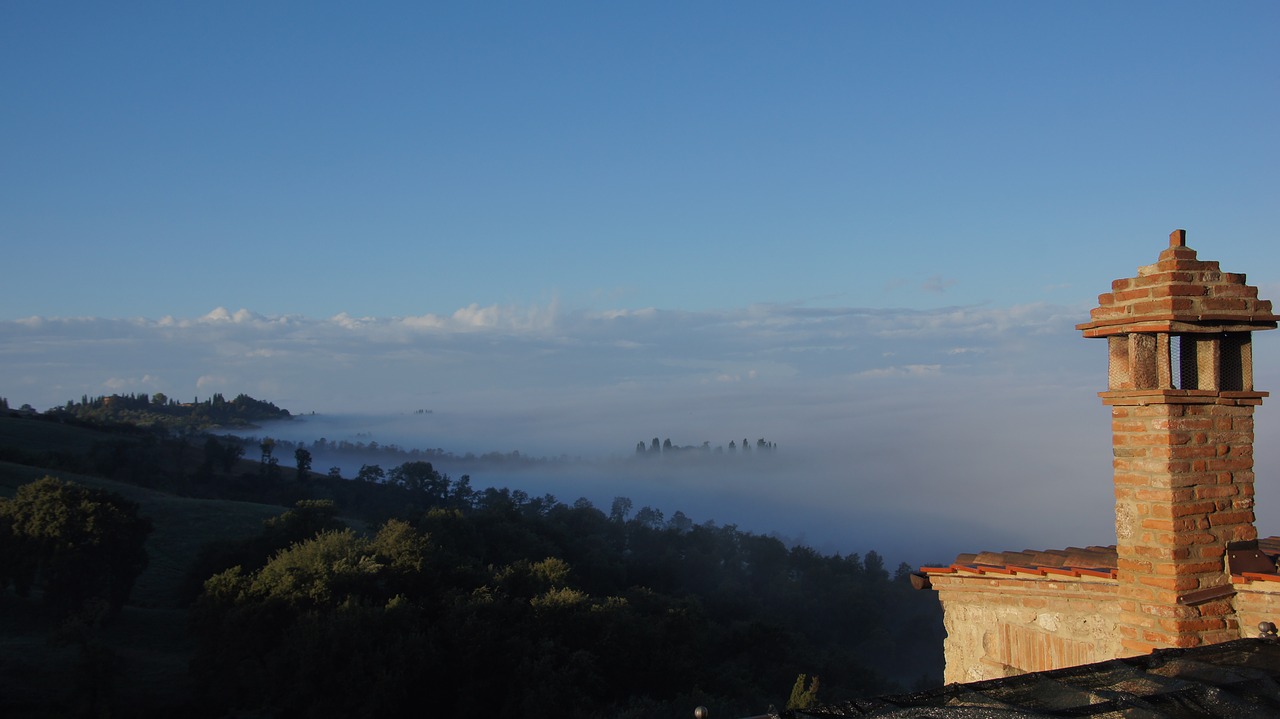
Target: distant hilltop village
<point>665,448</point>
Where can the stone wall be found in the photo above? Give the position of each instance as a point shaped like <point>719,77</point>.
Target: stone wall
<point>1255,602</point>
<point>1002,626</point>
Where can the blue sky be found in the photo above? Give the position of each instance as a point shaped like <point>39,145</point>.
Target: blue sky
<point>571,226</point>
<point>400,159</point>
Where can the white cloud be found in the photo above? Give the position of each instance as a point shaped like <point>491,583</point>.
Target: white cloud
<point>646,313</point>
<point>428,321</point>
<point>911,370</point>
<point>206,381</point>
<point>133,384</point>
<point>938,284</point>
<point>324,360</point>
<point>218,314</point>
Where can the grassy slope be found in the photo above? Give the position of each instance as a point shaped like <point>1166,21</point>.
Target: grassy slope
<point>37,436</point>
<point>181,526</point>
<point>149,644</point>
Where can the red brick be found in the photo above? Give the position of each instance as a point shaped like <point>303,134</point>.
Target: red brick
<point>1189,568</point>
<point>1129,295</point>
<point>1224,303</point>
<point>1185,641</point>
<point>1177,584</point>
<point>1174,290</point>
<point>1214,609</point>
<point>1193,625</point>
<point>1182,510</point>
<point>1221,518</point>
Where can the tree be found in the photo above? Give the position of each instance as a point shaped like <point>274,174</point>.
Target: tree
<point>874,567</point>
<point>308,518</point>
<point>680,522</point>
<point>371,473</point>
<point>620,509</point>
<point>802,698</point>
<point>328,627</point>
<point>270,465</point>
<point>462,494</point>
<point>420,477</point>
<point>222,455</point>
<point>303,459</point>
<point>75,543</point>
<point>649,517</point>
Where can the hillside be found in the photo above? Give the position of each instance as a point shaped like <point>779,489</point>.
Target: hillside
<point>637,614</point>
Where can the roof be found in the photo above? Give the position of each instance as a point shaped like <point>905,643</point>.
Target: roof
<point>1072,561</point>
<point>1234,679</point>
<point>1083,562</point>
<point>1265,571</point>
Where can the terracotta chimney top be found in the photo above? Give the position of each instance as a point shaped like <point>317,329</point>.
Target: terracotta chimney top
<point>1179,294</point>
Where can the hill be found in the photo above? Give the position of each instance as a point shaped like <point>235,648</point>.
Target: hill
<point>617,613</point>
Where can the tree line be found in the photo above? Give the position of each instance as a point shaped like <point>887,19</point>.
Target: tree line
<point>160,410</point>
<point>412,591</point>
<point>500,603</point>
<point>666,448</point>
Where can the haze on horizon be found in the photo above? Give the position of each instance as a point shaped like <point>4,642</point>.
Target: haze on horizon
<point>863,231</point>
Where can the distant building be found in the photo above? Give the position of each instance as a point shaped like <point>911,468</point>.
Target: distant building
<point>1187,568</point>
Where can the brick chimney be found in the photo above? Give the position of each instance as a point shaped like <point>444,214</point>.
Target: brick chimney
<point>1180,388</point>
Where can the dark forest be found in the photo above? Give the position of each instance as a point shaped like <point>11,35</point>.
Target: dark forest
<point>233,583</point>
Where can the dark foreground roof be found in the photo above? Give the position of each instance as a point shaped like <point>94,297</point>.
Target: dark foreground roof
<point>1238,679</point>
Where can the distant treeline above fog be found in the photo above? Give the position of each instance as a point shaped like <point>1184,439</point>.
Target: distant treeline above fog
<point>376,454</point>
<point>665,448</point>
<point>163,412</point>
<point>324,447</point>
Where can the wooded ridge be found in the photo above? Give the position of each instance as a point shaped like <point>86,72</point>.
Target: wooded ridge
<point>415,589</point>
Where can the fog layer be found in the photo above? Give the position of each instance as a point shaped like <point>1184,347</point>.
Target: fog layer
<point>918,434</point>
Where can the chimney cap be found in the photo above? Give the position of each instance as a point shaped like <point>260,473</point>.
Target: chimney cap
<point>1180,294</point>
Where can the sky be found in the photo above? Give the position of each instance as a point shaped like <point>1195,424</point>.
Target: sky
<point>862,230</point>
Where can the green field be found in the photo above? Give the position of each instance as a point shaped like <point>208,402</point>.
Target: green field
<point>181,526</point>
<point>34,436</point>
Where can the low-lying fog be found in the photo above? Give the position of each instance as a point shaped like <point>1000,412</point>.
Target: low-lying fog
<point>920,434</point>
<point>911,476</point>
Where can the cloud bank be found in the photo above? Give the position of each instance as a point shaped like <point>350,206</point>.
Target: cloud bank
<point>346,363</point>
<point>953,429</point>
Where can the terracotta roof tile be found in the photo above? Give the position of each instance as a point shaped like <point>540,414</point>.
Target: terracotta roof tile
<point>1092,561</point>
<point>1072,562</point>
<point>1270,545</point>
